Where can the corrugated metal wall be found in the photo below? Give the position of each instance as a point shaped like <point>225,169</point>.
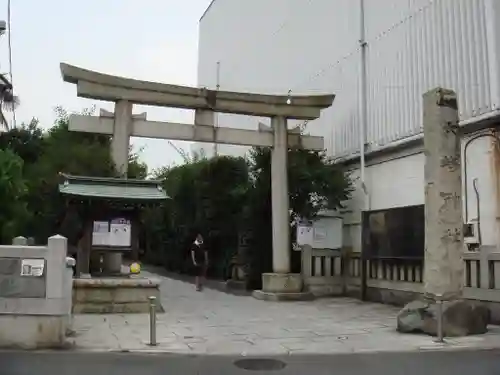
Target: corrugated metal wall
<point>311,46</point>
<point>442,43</point>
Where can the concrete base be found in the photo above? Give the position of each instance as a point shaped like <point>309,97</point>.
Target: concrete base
<point>282,282</point>
<point>282,287</point>
<point>236,285</point>
<point>270,296</point>
<point>115,296</point>
<point>112,263</point>
<point>33,331</point>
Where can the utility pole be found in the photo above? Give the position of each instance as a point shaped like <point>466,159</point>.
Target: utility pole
<point>216,118</point>
<point>7,99</point>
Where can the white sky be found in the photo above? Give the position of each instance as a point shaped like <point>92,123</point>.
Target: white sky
<point>154,40</point>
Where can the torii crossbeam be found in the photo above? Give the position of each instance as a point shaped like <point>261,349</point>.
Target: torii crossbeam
<point>122,124</point>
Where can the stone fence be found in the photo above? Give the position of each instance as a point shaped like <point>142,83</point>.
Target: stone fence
<point>35,294</point>
<point>397,281</point>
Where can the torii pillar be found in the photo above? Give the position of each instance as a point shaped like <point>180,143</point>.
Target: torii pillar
<point>281,284</point>
<point>122,124</point>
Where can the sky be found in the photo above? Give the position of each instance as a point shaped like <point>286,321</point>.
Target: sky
<point>155,40</point>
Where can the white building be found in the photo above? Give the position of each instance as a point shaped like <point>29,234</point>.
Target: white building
<point>412,46</point>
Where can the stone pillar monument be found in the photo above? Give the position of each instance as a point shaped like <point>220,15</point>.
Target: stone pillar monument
<point>443,271</point>
<point>444,247</point>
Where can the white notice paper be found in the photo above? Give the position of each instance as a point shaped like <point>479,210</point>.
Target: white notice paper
<point>100,234</point>
<point>32,267</point>
<point>120,233</point>
<point>319,234</point>
<point>304,235</point>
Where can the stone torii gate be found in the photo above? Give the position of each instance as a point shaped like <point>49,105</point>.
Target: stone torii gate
<point>122,124</point>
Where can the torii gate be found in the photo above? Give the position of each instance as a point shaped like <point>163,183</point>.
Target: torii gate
<point>122,124</point>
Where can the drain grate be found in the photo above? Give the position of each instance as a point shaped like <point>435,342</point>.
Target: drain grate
<point>260,364</point>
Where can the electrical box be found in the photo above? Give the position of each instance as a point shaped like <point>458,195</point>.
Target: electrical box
<point>471,233</point>
<point>324,232</point>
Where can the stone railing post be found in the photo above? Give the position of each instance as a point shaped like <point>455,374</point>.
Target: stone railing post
<point>20,241</point>
<point>56,266</point>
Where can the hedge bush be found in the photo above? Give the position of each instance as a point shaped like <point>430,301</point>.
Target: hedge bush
<point>224,196</point>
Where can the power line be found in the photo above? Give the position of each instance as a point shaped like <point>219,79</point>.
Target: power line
<point>377,37</point>
<point>10,60</point>
<point>216,114</point>
<point>266,40</point>
<point>270,38</point>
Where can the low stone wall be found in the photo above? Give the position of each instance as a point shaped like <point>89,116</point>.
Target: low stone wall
<point>35,303</point>
<point>115,296</point>
<point>32,331</point>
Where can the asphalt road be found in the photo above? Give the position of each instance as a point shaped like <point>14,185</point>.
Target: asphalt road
<point>76,363</point>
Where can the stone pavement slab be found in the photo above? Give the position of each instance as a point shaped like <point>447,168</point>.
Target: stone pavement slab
<point>213,322</point>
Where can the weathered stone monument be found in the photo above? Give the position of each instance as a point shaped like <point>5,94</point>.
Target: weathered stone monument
<point>122,124</point>
<point>444,246</point>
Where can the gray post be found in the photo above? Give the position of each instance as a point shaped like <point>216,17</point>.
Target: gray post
<point>152,321</point>
<point>281,284</point>
<point>20,241</point>
<point>279,195</point>
<point>440,330</point>
<point>443,263</point>
<point>121,136</point>
<point>444,247</point>
<point>56,266</point>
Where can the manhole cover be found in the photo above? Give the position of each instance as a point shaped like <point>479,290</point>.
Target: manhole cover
<point>260,364</point>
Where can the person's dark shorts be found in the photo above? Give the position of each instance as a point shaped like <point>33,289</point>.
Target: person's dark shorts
<point>200,269</point>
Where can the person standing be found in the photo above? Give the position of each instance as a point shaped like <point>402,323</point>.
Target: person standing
<point>199,256</point>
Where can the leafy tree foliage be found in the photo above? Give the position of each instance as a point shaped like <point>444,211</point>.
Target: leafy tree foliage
<point>45,155</point>
<point>220,197</point>
<point>207,197</point>
<point>25,141</point>
<point>315,183</point>
<point>13,211</point>
<point>225,196</point>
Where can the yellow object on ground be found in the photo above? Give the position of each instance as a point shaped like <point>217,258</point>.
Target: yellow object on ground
<point>135,268</point>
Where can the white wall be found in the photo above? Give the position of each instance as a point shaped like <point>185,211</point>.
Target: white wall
<point>311,46</point>
<point>481,165</point>
<point>399,182</point>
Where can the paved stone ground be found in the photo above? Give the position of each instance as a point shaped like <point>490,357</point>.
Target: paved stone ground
<point>213,322</point>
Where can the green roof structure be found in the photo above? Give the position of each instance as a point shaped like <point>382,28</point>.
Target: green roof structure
<point>112,188</point>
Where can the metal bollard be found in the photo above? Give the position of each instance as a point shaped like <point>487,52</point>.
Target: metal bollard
<point>440,335</point>
<point>152,321</point>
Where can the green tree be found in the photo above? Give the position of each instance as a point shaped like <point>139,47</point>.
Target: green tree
<point>26,141</point>
<point>223,196</point>
<point>48,153</point>
<point>13,211</point>
<point>315,183</point>
<point>207,196</point>
<point>136,168</point>
<point>8,101</point>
